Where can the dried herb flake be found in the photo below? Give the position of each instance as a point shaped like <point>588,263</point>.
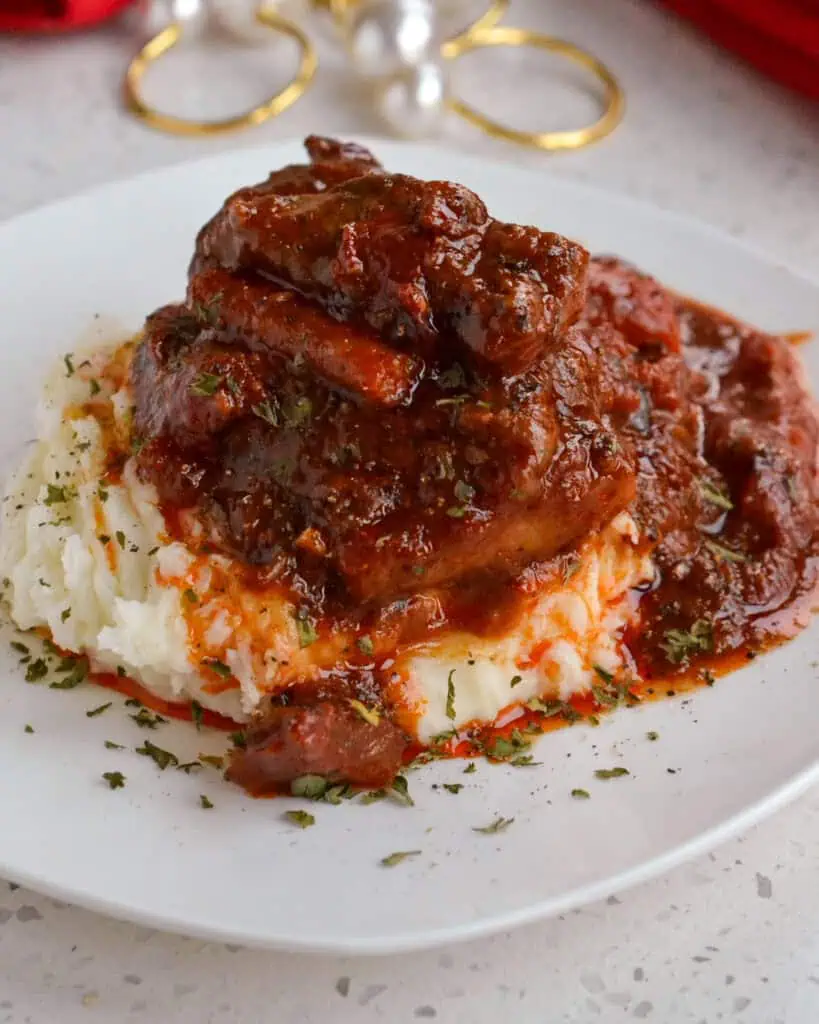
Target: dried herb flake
<point>498,825</point>
<point>397,857</point>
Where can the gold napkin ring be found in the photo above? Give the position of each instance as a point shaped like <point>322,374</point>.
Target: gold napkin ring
<point>170,36</point>
<point>576,138</point>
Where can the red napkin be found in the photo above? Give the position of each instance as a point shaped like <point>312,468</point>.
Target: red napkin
<point>779,37</point>
<point>54,15</point>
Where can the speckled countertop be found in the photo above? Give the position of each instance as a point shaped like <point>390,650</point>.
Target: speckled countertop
<point>733,936</point>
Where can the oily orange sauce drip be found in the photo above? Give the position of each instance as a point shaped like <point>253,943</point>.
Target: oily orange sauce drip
<point>182,711</point>
<point>586,709</point>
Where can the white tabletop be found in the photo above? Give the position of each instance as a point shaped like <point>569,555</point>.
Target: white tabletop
<point>733,936</point>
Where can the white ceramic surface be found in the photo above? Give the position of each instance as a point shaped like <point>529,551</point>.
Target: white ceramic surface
<point>150,853</point>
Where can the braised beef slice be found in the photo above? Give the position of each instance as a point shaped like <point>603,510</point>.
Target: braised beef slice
<point>351,359</point>
<point>465,479</point>
<point>420,262</point>
<point>329,739</point>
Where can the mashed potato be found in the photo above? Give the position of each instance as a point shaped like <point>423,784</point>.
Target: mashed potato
<point>89,559</point>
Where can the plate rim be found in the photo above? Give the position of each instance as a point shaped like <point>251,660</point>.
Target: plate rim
<point>777,799</point>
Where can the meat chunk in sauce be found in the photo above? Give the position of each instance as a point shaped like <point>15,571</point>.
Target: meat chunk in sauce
<point>387,500</point>
<point>744,562</point>
<point>420,262</point>
<point>329,739</point>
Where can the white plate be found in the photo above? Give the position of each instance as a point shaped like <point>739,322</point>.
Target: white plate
<point>149,852</point>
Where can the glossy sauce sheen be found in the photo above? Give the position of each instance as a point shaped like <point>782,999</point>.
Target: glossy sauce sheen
<point>408,416</point>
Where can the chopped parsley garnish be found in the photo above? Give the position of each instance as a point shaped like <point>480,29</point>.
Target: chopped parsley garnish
<point>299,411</point>
<point>103,538</point>
<point>94,385</point>
<point>652,735</point>
<point>397,857</point>
<point>611,773</point>
<point>303,819</point>
<point>36,671</point>
<point>680,644</point>
<point>102,492</point>
<point>498,825</point>
<point>503,748</point>
<point>399,791</point>
<point>208,312</point>
<point>239,740</point>
<point>725,554</point>
<point>369,715</point>
<point>441,741</point>
<point>197,714</point>
<point>99,710</point>
<point>110,745</point>
<point>309,787</point>
<point>190,595</point>
<point>450,696</point>
<point>68,359</point>
<point>581,794</point>
<point>161,758</point>
<point>57,495</point>
<point>205,802</point>
<point>525,761</point>
<point>548,708</point>
<point>606,676</point>
<point>317,787</point>
<point>715,496</point>
<point>611,693</point>
<point>265,411</point>
<point>463,492</point>
<point>453,787</point>
<point>75,674</point>
<point>219,667</point>
<point>115,780</point>
<point>213,760</point>
<point>513,682</point>
<point>146,719</point>
<point>335,794</point>
<point>120,539</point>
<point>29,729</point>
<point>470,768</point>
<point>206,384</point>
<point>65,615</point>
<point>373,796</point>
<point>188,767</point>
<point>19,647</point>
<point>365,645</point>
<point>456,512</point>
<point>305,629</point>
